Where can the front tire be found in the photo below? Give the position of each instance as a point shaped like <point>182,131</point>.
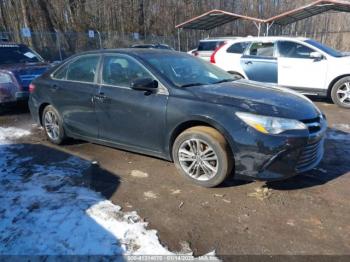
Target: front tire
<point>203,156</point>
<point>53,125</point>
<point>340,93</point>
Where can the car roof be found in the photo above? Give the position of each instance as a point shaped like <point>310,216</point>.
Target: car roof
<point>219,39</point>
<point>131,51</point>
<point>272,38</point>
<point>254,38</point>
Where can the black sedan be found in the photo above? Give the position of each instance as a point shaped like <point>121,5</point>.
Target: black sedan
<point>177,107</point>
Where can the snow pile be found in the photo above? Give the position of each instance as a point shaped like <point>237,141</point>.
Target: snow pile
<point>339,132</point>
<point>8,133</point>
<point>48,210</point>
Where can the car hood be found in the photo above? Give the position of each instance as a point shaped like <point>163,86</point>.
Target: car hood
<point>259,98</point>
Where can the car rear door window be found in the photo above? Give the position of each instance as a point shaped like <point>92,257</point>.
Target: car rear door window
<point>290,49</point>
<point>238,48</point>
<point>83,69</point>
<point>61,73</point>
<point>262,49</point>
<point>122,71</point>
<point>209,45</point>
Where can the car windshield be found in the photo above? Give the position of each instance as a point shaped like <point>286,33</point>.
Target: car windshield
<point>324,48</point>
<point>185,70</point>
<point>16,54</point>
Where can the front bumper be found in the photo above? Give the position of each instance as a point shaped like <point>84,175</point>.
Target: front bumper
<point>268,158</point>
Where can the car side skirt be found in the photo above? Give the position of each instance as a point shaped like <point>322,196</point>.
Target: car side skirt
<point>309,91</point>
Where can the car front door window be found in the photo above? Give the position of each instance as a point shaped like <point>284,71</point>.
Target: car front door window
<point>294,50</point>
<point>122,71</point>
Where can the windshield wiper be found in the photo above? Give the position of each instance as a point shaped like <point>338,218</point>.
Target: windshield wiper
<point>193,84</point>
<point>224,81</point>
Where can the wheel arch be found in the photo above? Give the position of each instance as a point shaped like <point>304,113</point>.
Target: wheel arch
<point>181,127</point>
<point>333,82</point>
<point>41,111</point>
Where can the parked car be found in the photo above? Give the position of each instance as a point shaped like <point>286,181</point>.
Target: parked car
<point>153,46</point>
<point>174,106</point>
<point>19,65</point>
<point>206,47</point>
<point>298,63</point>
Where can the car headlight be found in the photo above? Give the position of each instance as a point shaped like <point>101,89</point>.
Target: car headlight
<point>5,78</point>
<point>270,125</point>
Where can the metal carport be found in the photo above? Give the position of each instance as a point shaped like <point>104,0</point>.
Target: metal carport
<point>301,13</point>
<point>215,18</point>
<point>310,10</point>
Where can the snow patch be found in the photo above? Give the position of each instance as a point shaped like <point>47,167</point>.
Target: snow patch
<point>339,132</point>
<point>342,127</point>
<point>12,133</point>
<point>47,210</point>
<point>335,135</point>
<point>138,174</point>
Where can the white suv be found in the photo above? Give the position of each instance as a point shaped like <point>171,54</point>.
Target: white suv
<point>298,63</point>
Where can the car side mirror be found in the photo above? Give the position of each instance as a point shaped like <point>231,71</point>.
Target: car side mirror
<point>316,56</point>
<point>144,84</point>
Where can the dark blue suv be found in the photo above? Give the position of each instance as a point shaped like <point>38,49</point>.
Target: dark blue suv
<point>19,66</point>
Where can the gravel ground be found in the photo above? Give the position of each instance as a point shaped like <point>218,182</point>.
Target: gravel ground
<point>308,214</point>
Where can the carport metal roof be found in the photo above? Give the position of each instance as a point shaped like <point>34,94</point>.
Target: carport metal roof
<point>214,18</point>
<point>318,7</point>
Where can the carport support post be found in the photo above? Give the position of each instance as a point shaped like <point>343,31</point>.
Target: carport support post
<point>99,37</point>
<point>258,26</point>
<point>179,38</point>
<point>58,43</point>
<point>268,27</point>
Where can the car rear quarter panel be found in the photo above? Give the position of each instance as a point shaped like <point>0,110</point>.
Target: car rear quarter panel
<point>39,98</point>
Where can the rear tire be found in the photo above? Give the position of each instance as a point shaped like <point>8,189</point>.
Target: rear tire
<point>202,155</point>
<point>53,125</point>
<point>340,93</point>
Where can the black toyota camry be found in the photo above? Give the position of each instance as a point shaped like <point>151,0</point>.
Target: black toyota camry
<point>177,107</point>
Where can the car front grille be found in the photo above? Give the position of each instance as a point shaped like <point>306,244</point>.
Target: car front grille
<point>312,153</point>
<point>310,156</point>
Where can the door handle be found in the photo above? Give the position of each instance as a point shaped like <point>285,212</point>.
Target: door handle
<point>249,63</point>
<point>54,87</point>
<point>101,98</point>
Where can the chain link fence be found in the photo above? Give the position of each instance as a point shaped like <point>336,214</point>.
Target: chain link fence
<point>55,46</point>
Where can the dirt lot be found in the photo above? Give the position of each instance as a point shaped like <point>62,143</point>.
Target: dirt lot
<point>308,214</point>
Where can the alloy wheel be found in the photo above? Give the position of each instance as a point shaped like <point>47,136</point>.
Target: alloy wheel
<point>51,125</point>
<point>343,93</point>
<point>198,159</point>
